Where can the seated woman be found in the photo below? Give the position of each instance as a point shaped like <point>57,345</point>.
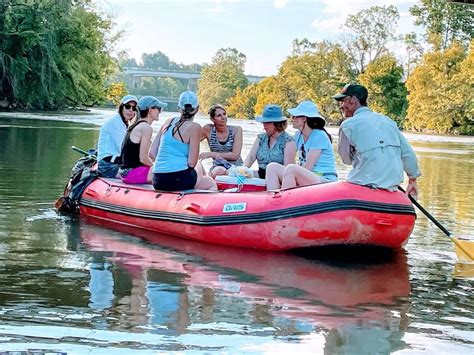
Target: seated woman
<point>315,152</point>
<point>225,142</point>
<point>274,145</point>
<point>111,136</point>
<point>135,162</point>
<point>176,148</point>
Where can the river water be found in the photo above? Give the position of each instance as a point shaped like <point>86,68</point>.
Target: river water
<point>70,287</point>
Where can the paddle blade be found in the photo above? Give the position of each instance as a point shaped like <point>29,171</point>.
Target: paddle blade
<point>464,249</point>
<point>463,271</point>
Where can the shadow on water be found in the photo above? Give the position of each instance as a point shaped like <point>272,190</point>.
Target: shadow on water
<point>350,255</point>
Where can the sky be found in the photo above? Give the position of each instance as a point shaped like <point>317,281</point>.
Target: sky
<point>192,31</point>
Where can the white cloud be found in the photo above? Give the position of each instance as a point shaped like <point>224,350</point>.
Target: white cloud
<point>336,11</point>
<point>331,24</point>
<point>279,4</point>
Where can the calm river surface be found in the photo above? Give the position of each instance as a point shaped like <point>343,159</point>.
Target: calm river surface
<point>70,287</point>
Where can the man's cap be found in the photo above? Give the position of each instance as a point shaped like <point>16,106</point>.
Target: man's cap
<point>307,109</point>
<point>147,102</point>
<point>356,90</point>
<point>271,113</point>
<point>128,98</point>
<point>188,98</point>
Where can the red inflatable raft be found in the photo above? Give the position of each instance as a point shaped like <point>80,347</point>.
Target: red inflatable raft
<point>327,214</point>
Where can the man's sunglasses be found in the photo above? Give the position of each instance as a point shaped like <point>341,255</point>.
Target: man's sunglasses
<point>158,108</point>
<point>128,107</point>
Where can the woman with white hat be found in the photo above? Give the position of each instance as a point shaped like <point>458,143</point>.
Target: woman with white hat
<point>315,152</point>
<point>111,136</point>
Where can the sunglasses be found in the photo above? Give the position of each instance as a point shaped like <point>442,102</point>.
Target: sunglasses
<point>158,108</point>
<point>128,107</point>
<point>303,152</point>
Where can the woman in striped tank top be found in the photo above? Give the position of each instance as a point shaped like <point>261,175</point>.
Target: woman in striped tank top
<point>225,142</point>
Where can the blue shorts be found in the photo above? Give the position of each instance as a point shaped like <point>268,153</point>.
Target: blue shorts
<point>175,181</point>
<point>106,169</point>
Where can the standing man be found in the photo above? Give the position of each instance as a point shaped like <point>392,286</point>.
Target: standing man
<point>373,144</point>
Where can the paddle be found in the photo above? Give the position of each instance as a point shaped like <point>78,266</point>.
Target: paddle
<point>80,151</point>
<point>465,247</point>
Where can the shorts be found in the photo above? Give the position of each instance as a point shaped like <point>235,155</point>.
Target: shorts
<point>106,169</point>
<point>327,177</point>
<point>175,181</point>
<point>138,175</point>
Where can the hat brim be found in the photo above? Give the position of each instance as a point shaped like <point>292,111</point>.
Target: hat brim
<point>339,97</point>
<point>295,112</point>
<point>162,104</point>
<point>262,119</point>
<point>129,100</point>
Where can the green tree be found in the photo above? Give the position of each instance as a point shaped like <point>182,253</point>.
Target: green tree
<point>368,34</point>
<point>315,75</point>
<point>414,51</point>
<point>220,80</point>
<point>387,93</point>
<point>53,53</point>
<point>441,92</point>
<point>157,60</point>
<point>273,90</point>
<point>242,104</point>
<point>445,22</point>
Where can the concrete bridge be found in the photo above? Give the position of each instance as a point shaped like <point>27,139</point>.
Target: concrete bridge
<point>134,75</point>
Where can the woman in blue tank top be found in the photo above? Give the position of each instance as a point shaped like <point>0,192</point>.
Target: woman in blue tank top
<point>315,152</point>
<point>175,150</point>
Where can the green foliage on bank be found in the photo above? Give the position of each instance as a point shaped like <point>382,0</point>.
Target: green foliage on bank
<point>53,54</point>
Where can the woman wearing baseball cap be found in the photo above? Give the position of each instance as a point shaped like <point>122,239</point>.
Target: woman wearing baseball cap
<point>135,163</point>
<point>176,148</point>
<point>111,137</point>
<point>315,152</point>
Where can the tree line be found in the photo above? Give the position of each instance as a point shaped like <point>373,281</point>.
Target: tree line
<point>430,90</point>
<point>56,54</point>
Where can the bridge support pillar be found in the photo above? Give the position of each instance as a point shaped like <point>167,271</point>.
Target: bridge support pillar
<point>192,84</point>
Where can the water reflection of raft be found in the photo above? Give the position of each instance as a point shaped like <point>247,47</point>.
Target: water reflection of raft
<point>333,294</point>
<point>327,214</point>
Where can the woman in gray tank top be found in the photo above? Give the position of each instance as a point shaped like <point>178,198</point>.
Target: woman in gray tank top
<point>225,142</point>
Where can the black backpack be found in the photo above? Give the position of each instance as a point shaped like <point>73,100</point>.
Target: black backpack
<point>82,174</point>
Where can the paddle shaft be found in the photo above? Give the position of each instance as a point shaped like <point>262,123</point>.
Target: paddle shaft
<point>439,225</point>
<point>80,150</point>
<point>427,214</point>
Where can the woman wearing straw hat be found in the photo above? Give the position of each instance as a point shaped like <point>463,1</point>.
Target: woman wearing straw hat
<point>315,152</point>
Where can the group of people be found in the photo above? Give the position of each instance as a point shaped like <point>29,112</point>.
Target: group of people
<point>370,142</point>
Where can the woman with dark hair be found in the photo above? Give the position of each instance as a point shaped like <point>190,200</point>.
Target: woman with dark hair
<point>315,152</point>
<point>274,145</point>
<point>135,162</point>
<point>176,148</point>
<point>111,136</point>
<point>225,141</point>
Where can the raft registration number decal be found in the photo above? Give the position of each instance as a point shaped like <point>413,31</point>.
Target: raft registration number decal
<point>235,207</point>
